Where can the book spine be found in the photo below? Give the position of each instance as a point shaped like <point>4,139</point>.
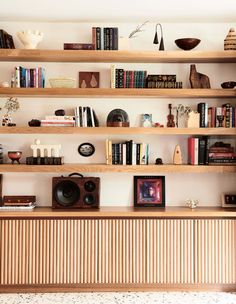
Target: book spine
<point>115,38</point>
<point>98,38</point>
<point>94,40</point>
<point>201,110</point>
<point>17,76</point>
<point>202,151</point>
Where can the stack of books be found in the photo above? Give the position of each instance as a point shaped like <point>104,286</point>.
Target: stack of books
<point>222,154</point>
<point>58,121</point>
<point>163,82</point>
<point>126,153</point>
<point>105,38</point>
<point>6,40</point>
<point>18,202</point>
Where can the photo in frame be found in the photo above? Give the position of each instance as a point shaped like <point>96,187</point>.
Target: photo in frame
<point>149,191</point>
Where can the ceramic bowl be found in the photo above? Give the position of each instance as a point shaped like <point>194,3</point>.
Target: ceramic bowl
<point>228,84</point>
<point>14,156</point>
<point>187,44</point>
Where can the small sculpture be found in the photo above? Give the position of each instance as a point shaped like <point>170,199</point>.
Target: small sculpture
<point>34,123</point>
<point>230,40</point>
<point>191,203</point>
<point>159,161</point>
<point>198,80</point>
<point>177,158</point>
<point>193,120</point>
<point>118,118</point>
<point>30,39</point>
<point>170,118</point>
<point>51,150</point>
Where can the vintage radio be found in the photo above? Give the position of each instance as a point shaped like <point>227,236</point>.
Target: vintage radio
<point>75,192</point>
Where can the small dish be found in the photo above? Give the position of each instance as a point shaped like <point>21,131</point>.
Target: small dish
<point>187,44</point>
<point>228,84</point>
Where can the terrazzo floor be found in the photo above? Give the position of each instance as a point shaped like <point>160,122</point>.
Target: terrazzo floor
<point>121,298</point>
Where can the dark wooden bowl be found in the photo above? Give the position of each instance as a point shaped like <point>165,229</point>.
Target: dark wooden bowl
<point>228,84</point>
<point>187,44</point>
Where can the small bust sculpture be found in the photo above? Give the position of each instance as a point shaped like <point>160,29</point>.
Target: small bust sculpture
<point>191,203</point>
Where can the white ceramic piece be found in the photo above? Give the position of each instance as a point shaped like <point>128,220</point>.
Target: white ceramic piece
<point>45,150</point>
<point>30,39</point>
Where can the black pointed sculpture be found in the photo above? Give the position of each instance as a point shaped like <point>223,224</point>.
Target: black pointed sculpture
<point>156,41</point>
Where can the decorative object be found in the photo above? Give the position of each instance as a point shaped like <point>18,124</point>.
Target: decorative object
<point>146,120</point>
<point>228,84</point>
<point>198,80</point>
<point>156,41</point>
<point>193,119</point>
<point>12,105</point>
<point>62,82</point>
<point>191,203</point>
<point>177,157</point>
<point>179,113</point>
<point>34,123</point>
<point>4,84</point>
<point>30,39</point>
<point>149,191</point>
<point>138,29</point>
<point>159,161</point>
<point>117,118</point>
<point>187,44</point>
<point>19,200</point>
<point>220,119</point>
<point>230,40</point>
<point>228,200</point>
<point>60,112</point>
<point>14,156</point>
<point>75,191</point>
<point>86,149</point>
<point>158,125</point>
<point>45,150</point>
<point>88,79</point>
<point>170,118</point>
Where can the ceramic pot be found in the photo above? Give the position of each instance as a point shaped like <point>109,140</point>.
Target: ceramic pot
<point>14,156</point>
<point>230,40</point>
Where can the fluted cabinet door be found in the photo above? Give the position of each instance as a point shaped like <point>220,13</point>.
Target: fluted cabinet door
<point>215,251</point>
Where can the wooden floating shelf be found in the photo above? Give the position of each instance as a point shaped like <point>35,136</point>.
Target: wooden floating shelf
<point>122,212</point>
<point>117,56</point>
<point>118,131</point>
<point>103,168</point>
<point>117,93</point>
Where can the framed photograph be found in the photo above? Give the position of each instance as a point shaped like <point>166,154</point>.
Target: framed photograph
<point>146,120</point>
<point>88,79</point>
<point>228,200</point>
<point>149,191</point>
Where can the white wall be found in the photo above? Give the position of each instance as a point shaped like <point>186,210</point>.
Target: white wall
<point>117,188</point>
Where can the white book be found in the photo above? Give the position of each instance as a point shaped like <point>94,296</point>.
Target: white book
<point>113,76</point>
<point>17,76</point>
<point>84,116</point>
<point>92,116</point>
<point>134,154</point>
<point>196,150</point>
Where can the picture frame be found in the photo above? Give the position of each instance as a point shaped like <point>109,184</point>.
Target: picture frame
<point>228,200</point>
<point>88,79</point>
<point>149,191</point>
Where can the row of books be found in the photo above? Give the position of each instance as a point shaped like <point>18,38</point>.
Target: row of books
<point>28,77</point>
<point>214,117</point>
<point>6,40</point>
<point>200,152</point>
<point>105,38</point>
<point>161,81</point>
<point>127,153</point>
<point>85,117</point>
<point>127,79</point>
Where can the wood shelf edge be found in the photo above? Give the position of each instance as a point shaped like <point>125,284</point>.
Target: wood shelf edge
<point>123,212</point>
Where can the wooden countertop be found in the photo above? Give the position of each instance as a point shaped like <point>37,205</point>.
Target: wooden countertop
<point>122,213</point>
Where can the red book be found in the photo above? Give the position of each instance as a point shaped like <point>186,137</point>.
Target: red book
<point>193,151</point>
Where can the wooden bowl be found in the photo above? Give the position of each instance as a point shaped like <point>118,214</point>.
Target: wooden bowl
<point>228,84</point>
<point>187,44</point>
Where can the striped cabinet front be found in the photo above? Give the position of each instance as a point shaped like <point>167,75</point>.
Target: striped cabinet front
<point>120,252</point>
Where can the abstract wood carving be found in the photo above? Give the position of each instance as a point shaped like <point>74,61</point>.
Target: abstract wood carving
<point>198,80</point>
<point>177,158</point>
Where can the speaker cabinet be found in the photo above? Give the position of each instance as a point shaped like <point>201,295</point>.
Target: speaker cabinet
<point>75,192</point>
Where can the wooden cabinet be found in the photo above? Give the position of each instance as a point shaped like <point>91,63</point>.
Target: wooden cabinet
<point>105,252</point>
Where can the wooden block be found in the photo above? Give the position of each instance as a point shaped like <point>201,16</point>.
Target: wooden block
<point>177,158</point>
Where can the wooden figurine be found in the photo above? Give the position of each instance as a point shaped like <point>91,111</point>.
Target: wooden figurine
<point>177,158</point>
<point>198,80</point>
<point>170,118</point>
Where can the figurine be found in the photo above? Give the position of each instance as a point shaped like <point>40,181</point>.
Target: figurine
<point>177,158</point>
<point>170,118</point>
<point>146,120</point>
<point>191,203</point>
<point>159,161</point>
<point>198,80</point>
